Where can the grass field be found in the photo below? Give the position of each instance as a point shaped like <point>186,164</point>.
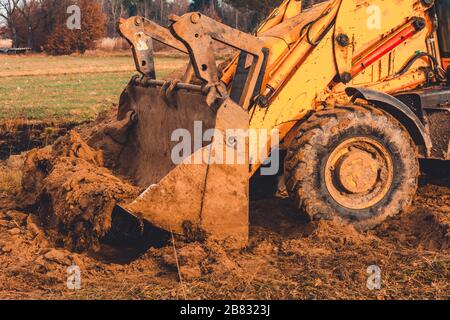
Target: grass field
<point>68,88</point>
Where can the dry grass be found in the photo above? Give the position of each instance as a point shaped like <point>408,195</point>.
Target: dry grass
<point>5,43</point>
<point>112,44</point>
<point>10,181</point>
<point>73,88</point>
<point>40,65</point>
<point>94,62</point>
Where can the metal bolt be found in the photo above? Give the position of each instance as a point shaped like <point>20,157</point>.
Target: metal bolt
<point>195,17</point>
<point>343,40</point>
<point>263,101</point>
<point>419,23</point>
<point>137,21</point>
<point>232,141</point>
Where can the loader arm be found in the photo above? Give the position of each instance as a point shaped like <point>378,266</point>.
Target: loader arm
<point>198,32</point>
<point>195,34</point>
<point>140,33</point>
<point>211,196</point>
<point>287,10</point>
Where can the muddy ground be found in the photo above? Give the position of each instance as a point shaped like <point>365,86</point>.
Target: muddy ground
<point>17,136</point>
<point>288,257</point>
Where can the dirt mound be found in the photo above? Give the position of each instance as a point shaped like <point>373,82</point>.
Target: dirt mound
<point>71,191</point>
<point>290,259</point>
<point>427,225</point>
<point>66,196</point>
<point>17,136</point>
<point>99,136</point>
<point>31,265</point>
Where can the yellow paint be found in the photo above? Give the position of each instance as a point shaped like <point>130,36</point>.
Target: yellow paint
<point>302,75</point>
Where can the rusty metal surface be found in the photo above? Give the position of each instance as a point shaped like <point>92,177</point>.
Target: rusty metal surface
<point>140,33</point>
<point>146,156</point>
<point>161,83</point>
<point>212,198</point>
<point>130,28</point>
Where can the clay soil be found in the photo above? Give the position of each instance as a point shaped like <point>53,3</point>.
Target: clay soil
<point>288,256</point>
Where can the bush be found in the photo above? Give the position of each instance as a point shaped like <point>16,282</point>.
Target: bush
<point>93,27</point>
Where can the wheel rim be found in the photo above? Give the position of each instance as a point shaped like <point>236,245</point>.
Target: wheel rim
<point>359,173</point>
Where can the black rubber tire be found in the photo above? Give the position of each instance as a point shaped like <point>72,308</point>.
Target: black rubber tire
<point>320,135</point>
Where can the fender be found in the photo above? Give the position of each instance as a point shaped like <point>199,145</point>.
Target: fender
<point>399,111</point>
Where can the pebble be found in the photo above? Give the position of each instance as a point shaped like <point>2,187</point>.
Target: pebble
<point>32,226</point>
<point>14,231</point>
<point>4,223</point>
<point>17,216</point>
<point>57,256</point>
<point>5,247</point>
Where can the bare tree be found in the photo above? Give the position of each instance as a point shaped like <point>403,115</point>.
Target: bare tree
<point>27,9</point>
<point>7,12</point>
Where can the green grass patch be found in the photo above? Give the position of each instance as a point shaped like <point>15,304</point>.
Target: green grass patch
<point>61,98</point>
<point>67,88</point>
<point>74,97</point>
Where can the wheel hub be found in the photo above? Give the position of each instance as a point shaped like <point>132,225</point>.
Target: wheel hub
<point>359,173</point>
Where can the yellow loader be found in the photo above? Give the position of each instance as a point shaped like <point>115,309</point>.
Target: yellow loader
<point>340,100</point>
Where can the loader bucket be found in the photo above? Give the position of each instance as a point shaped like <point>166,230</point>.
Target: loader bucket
<point>146,156</point>
<point>203,192</point>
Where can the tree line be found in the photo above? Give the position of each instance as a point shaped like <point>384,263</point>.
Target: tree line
<point>42,24</point>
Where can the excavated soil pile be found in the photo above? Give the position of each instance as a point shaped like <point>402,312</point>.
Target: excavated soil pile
<point>287,258</point>
<point>427,225</point>
<point>72,192</point>
<point>17,136</point>
<point>65,203</point>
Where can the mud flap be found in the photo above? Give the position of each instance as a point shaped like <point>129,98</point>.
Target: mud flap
<point>205,192</point>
